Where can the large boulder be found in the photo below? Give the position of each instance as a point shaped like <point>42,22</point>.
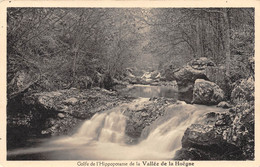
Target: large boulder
<point>232,130</point>
<point>206,92</point>
<point>207,138</point>
<point>142,115</point>
<point>186,76</point>
<point>206,142</point>
<point>78,103</point>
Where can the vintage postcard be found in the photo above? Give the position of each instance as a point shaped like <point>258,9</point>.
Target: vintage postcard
<point>129,83</point>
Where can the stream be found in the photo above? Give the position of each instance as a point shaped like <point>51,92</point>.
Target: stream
<point>151,91</point>
<point>103,136</point>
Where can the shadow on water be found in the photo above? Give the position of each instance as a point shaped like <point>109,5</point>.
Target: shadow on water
<point>151,91</point>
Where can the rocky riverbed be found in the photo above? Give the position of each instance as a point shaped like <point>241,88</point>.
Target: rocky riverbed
<point>55,113</point>
<point>225,135</point>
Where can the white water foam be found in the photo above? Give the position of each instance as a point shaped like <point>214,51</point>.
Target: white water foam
<point>103,136</point>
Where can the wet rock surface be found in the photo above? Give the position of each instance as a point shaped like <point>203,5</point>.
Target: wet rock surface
<point>223,136</point>
<point>56,113</point>
<point>187,75</point>
<point>206,92</point>
<point>78,103</point>
<point>142,116</point>
<point>207,138</point>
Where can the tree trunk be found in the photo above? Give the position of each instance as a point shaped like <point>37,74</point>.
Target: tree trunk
<point>74,68</point>
<point>227,41</point>
<point>198,40</point>
<point>226,38</point>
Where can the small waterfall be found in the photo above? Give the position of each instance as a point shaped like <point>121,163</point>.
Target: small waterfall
<point>105,127</point>
<point>103,136</point>
<point>167,131</point>
<point>114,128</point>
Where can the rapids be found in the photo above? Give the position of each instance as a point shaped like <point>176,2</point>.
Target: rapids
<point>103,137</point>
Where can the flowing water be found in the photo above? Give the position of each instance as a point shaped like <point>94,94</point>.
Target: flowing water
<point>103,136</point>
<point>151,91</point>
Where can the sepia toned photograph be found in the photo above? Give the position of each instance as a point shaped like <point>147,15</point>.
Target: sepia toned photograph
<point>130,84</point>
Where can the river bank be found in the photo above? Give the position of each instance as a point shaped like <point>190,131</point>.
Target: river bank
<point>135,119</point>
<point>131,129</point>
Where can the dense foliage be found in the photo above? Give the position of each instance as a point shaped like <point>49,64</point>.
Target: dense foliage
<point>62,45</point>
<point>225,35</point>
<point>66,46</point>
